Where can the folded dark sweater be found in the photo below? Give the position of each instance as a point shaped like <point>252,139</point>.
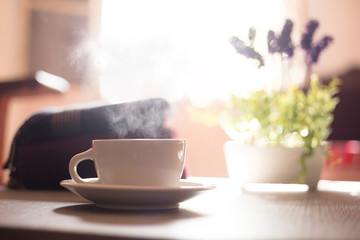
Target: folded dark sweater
<point>45,143</point>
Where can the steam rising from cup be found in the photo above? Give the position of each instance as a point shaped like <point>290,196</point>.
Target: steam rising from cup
<point>142,119</point>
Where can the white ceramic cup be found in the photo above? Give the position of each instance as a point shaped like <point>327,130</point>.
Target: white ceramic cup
<point>135,162</point>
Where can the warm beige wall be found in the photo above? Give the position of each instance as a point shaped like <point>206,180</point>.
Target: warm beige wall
<point>14,60</point>
<point>340,19</point>
<point>14,19</point>
<point>205,156</point>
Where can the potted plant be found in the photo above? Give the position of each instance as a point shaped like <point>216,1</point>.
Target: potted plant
<point>279,133</point>
<point>285,130</point>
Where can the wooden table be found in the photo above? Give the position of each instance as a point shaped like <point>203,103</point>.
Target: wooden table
<point>223,213</point>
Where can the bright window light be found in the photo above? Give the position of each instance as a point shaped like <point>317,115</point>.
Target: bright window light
<point>52,81</point>
<point>276,188</point>
<point>176,49</point>
<point>351,187</point>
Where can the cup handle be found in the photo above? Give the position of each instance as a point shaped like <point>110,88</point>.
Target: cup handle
<point>75,160</point>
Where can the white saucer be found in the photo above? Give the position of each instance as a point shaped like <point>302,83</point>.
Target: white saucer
<point>136,197</point>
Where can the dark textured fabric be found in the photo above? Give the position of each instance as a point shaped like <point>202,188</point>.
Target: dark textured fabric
<point>45,143</point>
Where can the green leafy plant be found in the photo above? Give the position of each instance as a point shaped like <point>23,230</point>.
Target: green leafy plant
<point>291,118</point>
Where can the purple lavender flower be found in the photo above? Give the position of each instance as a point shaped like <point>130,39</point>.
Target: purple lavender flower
<point>281,44</point>
<point>247,50</point>
<point>313,50</point>
<point>306,39</point>
<point>284,41</point>
<point>252,35</point>
<point>271,42</point>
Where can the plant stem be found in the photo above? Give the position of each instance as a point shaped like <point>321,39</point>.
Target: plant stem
<point>306,85</point>
<point>308,151</point>
<point>285,83</point>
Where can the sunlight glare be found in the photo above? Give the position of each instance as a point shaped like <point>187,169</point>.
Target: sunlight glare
<point>351,187</point>
<point>276,188</point>
<point>176,49</point>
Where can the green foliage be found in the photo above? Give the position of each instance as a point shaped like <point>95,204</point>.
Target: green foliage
<point>291,118</point>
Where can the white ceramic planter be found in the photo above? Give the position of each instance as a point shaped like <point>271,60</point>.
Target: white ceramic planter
<point>253,164</point>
